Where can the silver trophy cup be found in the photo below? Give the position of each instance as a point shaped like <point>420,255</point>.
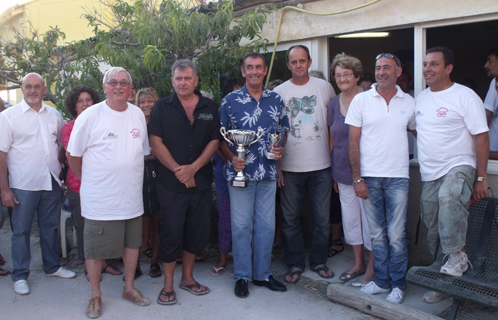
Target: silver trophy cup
<point>243,139</point>
<point>272,140</point>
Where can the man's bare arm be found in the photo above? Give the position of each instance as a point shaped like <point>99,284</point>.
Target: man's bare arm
<point>482,153</point>
<point>360,188</point>
<point>237,163</point>
<point>8,197</point>
<point>162,153</point>
<point>489,116</point>
<point>185,173</point>
<point>75,163</point>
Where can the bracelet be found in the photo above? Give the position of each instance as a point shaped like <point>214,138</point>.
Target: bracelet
<point>357,181</point>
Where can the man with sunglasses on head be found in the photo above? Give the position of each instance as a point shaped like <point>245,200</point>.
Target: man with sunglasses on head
<point>453,147</point>
<point>378,153</point>
<point>106,152</point>
<point>30,135</point>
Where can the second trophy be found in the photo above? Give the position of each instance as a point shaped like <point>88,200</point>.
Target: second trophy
<point>243,139</point>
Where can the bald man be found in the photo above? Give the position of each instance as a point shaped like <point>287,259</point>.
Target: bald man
<point>30,135</point>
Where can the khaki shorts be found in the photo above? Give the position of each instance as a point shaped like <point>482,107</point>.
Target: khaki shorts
<point>106,239</point>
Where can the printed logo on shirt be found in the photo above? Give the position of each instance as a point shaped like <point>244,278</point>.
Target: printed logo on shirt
<point>442,112</point>
<point>205,116</point>
<point>419,114</point>
<point>135,133</point>
<point>110,135</point>
<point>54,133</point>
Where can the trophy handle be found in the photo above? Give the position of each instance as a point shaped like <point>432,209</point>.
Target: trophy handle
<point>259,134</point>
<point>224,133</point>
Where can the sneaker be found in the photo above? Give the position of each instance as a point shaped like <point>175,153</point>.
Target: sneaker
<point>62,273</point>
<point>136,297</point>
<point>456,264</point>
<point>21,287</point>
<point>433,296</point>
<point>372,288</point>
<point>396,295</point>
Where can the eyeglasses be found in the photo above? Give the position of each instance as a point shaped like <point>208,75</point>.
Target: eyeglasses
<point>115,83</point>
<point>389,56</point>
<point>36,87</point>
<point>346,75</point>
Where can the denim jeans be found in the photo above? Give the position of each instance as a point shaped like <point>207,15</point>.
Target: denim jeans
<point>253,228</point>
<point>48,206</point>
<point>386,208</point>
<point>319,184</point>
<point>444,205</point>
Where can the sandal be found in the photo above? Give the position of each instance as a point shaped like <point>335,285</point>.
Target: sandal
<point>111,270</point>
<point>291,275</point>
<point>194,285</point>
<point>332,251</point>
<point>147,252</point>
<point>216,272</point>
<point>167,295</point>
<point>155,271</point>
<point>4,272</point>
<point>325,270</point>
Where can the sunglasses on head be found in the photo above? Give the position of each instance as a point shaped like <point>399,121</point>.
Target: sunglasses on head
<point>389,56</point>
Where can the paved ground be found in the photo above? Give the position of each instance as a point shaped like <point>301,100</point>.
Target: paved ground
<point>53,298</point>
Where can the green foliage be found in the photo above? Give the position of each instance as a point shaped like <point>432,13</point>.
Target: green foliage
<point>145,37</point>
<point>63,65</point>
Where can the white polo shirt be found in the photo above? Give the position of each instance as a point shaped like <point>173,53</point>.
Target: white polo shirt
<point>383,140</point>
<point>446,122</point>
<point>113,145</point>
<point>491,104</point>
<point>31,140</point>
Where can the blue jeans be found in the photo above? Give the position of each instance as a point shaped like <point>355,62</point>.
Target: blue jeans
<point>253,228</point>
<point>48,206</point>
<point>319,184</point>
<point>386,209</point>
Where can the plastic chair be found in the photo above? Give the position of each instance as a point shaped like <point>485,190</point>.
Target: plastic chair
<point>65,214</point>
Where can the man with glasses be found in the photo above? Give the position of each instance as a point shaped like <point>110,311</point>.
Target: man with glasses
<point>491,102</point>
<point>378,153</point>
<point>453,146</point>
<point>106,152</point>
<point>30,135</point>
<point>305,165</point>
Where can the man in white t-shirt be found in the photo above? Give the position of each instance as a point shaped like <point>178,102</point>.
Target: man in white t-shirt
<point>305,164</point>
<point>30,135</point>
<point>106,152</point>
<point>378,153</point>
<point>453,146</point>
<point>491,102</point>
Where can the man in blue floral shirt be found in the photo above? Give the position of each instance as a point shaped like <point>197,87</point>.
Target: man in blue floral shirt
<point>253,208</point>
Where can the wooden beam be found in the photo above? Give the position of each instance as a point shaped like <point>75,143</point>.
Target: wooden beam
<point>373,305</point>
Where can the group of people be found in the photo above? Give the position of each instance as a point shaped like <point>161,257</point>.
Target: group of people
<point>354,144</point>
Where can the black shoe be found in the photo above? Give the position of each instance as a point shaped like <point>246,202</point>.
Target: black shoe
<point>241,290</point>
<point>271,284</point>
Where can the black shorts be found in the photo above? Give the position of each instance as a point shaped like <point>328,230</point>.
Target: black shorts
<point>184,222</point>
<point>149,188</point>
<point>335,208</point>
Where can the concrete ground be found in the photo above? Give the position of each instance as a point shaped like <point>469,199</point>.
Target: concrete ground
<point>54,298</point>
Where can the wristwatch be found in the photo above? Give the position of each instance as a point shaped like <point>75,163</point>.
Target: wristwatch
<point>482,179</point>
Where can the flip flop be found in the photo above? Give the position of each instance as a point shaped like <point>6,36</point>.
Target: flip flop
<point>216,272</point>
<point>195,285</point>
<point>168,295</point>
<point>324,269</point>
<point>4,272</point>
<point>291,274</point>
<point>155,270</point>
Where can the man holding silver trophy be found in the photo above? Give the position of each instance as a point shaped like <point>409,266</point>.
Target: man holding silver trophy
<point>252,120</point>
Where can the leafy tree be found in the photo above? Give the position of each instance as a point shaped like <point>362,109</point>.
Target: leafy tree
<point>146,37</point>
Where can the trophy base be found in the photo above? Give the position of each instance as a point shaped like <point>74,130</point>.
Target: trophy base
<point>238,184</point>
<point>270,155</point>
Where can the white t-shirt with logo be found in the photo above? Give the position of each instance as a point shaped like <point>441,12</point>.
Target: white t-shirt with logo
<point>113,145</point>
<point>491,104</point>
<point>384,135</point>
<point>307,146</point>
<point>446,122</point>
